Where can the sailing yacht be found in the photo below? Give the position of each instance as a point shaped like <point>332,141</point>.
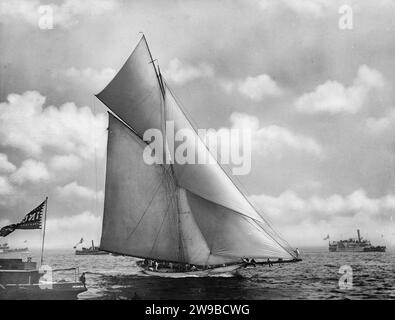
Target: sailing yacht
<point>171,213</point>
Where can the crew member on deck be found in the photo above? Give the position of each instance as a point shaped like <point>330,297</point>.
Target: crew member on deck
<point>82,279</point>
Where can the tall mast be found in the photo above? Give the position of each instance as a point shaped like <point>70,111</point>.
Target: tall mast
<point>162,89</point>
<point>45,224</point>
<point>165,149</point>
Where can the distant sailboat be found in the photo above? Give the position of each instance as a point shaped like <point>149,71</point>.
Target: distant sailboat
<point>187,214</point>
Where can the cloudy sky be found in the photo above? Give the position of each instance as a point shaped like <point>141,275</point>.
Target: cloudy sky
<point>319,101</point>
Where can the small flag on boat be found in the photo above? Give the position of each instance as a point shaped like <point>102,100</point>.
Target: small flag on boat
<point>326,238</point>
<point>31,221</point>
<point>81,241</point>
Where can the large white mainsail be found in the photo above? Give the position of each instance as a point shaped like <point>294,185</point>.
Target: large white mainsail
<point>191,213</point>
<point>139,204</point>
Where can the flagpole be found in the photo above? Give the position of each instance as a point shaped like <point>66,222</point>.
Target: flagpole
<point>45,222</point>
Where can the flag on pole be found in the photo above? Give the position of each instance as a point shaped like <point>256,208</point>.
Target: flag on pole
<point>326,238</point>
<point>79,242</point>
<point>31,221</point>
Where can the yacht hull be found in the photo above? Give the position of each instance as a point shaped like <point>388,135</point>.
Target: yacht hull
<point>59,291</point>
<point>220,271</point>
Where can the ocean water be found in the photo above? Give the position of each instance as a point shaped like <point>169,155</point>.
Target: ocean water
<point>316,277</point>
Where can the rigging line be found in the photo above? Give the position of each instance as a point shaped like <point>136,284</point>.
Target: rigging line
<point>274,233</point>
<point>161,225</point>
<point>156,72</point>
<point>173,176</point>
<point>173,187</point>
<point>258,227</point>
<point>190,212</point>
<point>149,205</point>
<point>261,213</point>
<point>163,126</point>
<point>95,155</point>
<point>208,256</point>
<point>187,116</point>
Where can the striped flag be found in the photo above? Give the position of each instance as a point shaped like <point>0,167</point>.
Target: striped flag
<point>31,221</point>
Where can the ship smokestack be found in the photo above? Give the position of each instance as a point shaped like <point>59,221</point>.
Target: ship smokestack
<point>359,236</point>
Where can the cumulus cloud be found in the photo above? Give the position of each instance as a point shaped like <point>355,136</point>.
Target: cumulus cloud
<point>26,125</point>
<point>65,14</point>
<point>5,186</point>
<point>68,162</point>
<point>5,165</point>
<point>256,88</point>
<point>181,73</point>
<point>23,10</point>
<point>274,139</point>
<point>381,124</point>
<point>69,11</point>
<point>74,190</point>
<point>288,207</point>
<point>88,77</point>
<point>31,171</point>
<point>333,97</point>
<point>226,85</point>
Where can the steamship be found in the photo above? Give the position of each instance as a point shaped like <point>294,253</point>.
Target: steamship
<point>354,245</point>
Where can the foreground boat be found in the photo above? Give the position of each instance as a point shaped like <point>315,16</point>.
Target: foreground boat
<point>23,280</point>
<point>20,280</point>
<point>59,291</point>
<point>188,213</point>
